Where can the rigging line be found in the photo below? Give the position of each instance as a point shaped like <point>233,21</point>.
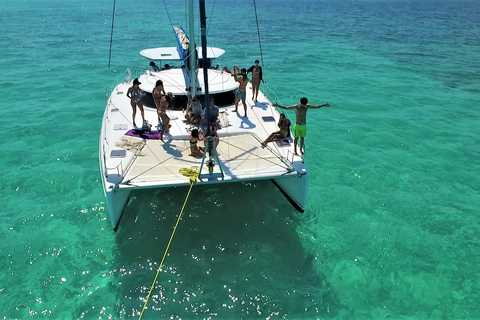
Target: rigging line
<point>111,33</point>
<point>258,31</point>
<point>156,165</point>
<point>212,10</point>
<point>277,153</point>
<point>272,90</point>
<point>168,13</point>
<point>260,157</point>
<point>193,180</point>
<point>261,122</point>
<point>185,9</point>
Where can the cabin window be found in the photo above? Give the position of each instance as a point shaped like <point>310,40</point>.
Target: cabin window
<point>222,99</point>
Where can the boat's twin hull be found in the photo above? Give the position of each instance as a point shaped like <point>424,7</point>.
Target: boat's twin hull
<point>116,201</point>
<point>293,186</point>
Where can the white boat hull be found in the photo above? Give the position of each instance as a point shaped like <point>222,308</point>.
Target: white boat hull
<point>116,202</point>
<point>294,188</point>
<point>129,164</point>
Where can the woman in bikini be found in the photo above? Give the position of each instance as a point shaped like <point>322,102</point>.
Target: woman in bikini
<point>257,77</point>
<point>284,125</point>
<point>136,94</point>
<point>161,102</point>
<point>195,150</point>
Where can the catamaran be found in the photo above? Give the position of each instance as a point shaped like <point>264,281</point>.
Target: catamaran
<point>140,158</point>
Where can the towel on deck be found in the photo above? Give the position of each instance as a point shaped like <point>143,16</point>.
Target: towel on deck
<point>152,135</point>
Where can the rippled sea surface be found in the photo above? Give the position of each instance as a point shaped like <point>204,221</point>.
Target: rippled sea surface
<point>392,224</point>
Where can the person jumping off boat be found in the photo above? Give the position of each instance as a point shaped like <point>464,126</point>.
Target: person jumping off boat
<point>284,125</point>
<point>257,77</point>
<point>136,94</point>
<point>300,130</point>
<point>161,102</point>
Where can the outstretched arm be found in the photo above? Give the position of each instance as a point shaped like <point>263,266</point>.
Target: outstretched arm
<point>283,107</point>
<point>325,105</point>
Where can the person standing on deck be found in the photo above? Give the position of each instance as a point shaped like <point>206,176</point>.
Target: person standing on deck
<point>161,102</point>
<point>257,77</point>
<point>241,93</point>
<point>300,130</point>
<point>136,94</point>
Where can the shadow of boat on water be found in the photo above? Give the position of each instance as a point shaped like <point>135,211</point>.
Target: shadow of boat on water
<point>236,254</point>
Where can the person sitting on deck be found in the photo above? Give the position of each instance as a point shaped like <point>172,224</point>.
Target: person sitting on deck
<point>213,113</point>
<point>300,130</point>
<point>257,77</point>
<point>161,102</point>
<point>194,111</point>
<point>195,150</point>
<point>154,67</point>
<point>136,95</point>
<point>241,93</point>
<point>284,125</point>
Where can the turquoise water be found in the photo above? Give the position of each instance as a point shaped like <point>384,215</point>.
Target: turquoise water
<point>391,229</point>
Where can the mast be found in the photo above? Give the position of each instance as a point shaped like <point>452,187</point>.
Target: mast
<point>192,50</point>
<point>203,33</point>
<point>210,143</point>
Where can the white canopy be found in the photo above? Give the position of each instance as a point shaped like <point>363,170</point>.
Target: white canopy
<point>171,53</point>
<point>174,81</point>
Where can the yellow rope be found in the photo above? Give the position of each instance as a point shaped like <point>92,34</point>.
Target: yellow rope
<point>193,175</point>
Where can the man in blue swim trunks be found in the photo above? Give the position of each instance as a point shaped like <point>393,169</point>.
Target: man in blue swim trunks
<point>241,94</point>
<point>300,130</point>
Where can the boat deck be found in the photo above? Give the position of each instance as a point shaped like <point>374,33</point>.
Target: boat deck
<point>240,155</point>
<point>135,162</point>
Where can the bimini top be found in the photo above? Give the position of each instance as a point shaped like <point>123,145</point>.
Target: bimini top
<point>171,53</point>
<point>174,81</point>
